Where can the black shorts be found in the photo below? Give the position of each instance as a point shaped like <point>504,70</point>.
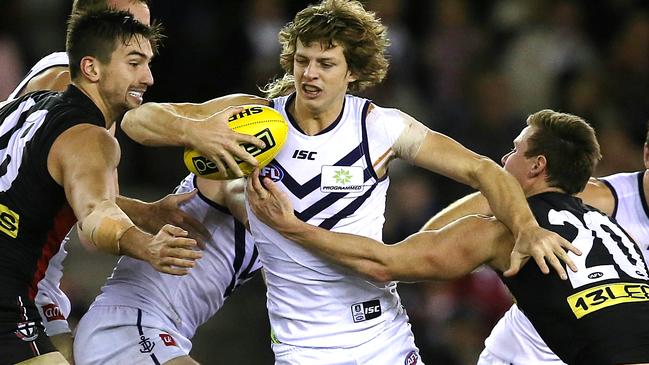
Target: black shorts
<point>22,335</point>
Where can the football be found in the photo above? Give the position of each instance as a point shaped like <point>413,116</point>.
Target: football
<point>260,121</point>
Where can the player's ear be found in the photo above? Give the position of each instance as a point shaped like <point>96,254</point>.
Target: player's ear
<point>646,156</point>
<point>90,68</point>
<point>539,166</point>
<point>351,77</point>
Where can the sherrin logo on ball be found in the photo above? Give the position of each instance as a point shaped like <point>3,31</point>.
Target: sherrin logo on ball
<point>260,121</point>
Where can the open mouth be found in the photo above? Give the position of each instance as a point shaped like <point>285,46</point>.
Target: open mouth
<point>310,90</point>
<point>137,94</point>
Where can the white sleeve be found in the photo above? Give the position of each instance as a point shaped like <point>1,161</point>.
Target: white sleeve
<point>52,304</point>
<point>53,315</point>
<point>385,121</point>
<point>405,133</point>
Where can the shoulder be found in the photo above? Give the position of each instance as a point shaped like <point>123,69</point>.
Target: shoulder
<point>598,194</point>
<point>87,138</point>
<point>388,117</point>
<point>54,78</point>
<point>81,147</point>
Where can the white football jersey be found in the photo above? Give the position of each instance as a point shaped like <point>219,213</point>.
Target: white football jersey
<point>631,210</point>
<point>514,339</point>
<point>332,183</point>
<point>188,301</point>
<point>56,59</point>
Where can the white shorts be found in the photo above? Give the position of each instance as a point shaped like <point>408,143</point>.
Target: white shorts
<point>125,335</point>
<point>514,340</point>
<point>395,345</point>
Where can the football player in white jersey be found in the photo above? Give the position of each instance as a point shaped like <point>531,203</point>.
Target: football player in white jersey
<point>334,164</point>
<point>144,317</point>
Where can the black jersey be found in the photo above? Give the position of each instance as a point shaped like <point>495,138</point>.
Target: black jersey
<point>600,315</point>
<point>34,214</point>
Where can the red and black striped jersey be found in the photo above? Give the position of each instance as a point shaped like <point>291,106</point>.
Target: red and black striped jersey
<point>34,214</point>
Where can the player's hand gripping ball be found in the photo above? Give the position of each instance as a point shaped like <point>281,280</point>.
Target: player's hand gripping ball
<point>260,121</point>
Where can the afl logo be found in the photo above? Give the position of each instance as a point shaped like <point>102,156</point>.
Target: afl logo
<point>411,358</point>
<point>272,171</point>
<point>595,275</point>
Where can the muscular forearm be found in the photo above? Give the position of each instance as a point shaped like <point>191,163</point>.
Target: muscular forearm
<point>362,255</point>
<point>157,124</point>
<point>163,124</point>
<point>449,253</point>
<point>131,243</point>
<point>505,197</point>
<point>471,204</point>
<point>133,208</point>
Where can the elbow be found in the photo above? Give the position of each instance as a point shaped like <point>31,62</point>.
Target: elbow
<point>485,168</point>
<point>133,125</point>
<point>127,123</point>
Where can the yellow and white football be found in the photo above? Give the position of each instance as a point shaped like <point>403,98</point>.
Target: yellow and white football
<point>260,121</point>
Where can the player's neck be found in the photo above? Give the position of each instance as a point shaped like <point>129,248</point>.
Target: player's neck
<point>90,90</point>
<point>313,120</point>
<point>541,187</point>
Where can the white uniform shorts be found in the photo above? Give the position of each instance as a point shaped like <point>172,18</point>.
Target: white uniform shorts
<point>395,345</point>
<point>126,336</point>
<point>514,341</point>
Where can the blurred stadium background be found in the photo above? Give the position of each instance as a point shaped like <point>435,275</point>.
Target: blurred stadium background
<point>471,69</point>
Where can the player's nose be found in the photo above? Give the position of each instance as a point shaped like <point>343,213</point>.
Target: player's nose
<point>147,77</point>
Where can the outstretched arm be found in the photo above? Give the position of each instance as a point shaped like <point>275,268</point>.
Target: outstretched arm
<point>152,216</point>
<point>596,194</point>
<point>89,181</point>
<point>441,154</point>
<point>451,252</point>
<point>471,204</point>
<point>203,127</point>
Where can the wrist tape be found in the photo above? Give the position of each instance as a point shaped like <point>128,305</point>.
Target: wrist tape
<point>105,226</point>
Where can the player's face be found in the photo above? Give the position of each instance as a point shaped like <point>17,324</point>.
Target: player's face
<point>126,77</point>
<point>321,76</point>
<point>139,10</point>
<point>515,161</point>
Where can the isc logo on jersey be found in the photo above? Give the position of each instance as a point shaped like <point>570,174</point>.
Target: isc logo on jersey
<point>366,310</point>
<point>9,221</point>
<point>260,121</point>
